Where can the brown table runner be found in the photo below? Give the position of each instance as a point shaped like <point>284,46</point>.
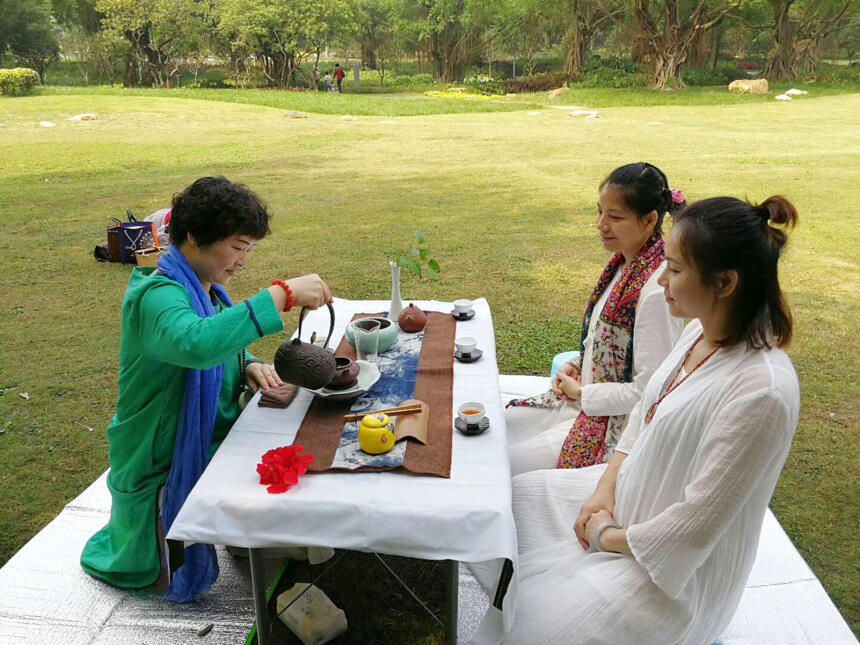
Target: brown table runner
<point>323,424</point>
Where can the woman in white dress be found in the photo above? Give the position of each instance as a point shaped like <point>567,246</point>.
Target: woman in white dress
<point>660,550</point>
<point>627,331</point>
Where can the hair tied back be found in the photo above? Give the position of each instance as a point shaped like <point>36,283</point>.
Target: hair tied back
<point>778,210</point>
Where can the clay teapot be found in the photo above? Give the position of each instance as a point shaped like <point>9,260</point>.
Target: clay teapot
<point>412,319</point>
<point>345,375</point>
<point>305,364</point>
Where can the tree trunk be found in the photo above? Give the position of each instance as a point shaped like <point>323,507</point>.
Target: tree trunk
<point>781,65</point>
<point>665,66</point>
<point>368,56</point>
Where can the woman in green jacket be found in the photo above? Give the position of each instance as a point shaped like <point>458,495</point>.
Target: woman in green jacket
<point>182,367</point>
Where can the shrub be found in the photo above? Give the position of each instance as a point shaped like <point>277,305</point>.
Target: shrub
<point>724,73</point>
<point>836,74</point>
<point>484,84</point>
<point>536,83</point>
<point>611,72</point>
<point>414,80</point>
<point>17,81</point>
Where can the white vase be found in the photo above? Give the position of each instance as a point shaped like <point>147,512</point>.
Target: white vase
<point>396,303</point>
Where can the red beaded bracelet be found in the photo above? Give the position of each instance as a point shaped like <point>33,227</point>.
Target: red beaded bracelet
<point>283,285</point>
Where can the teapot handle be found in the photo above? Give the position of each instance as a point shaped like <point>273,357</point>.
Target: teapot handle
<point>304,312</point>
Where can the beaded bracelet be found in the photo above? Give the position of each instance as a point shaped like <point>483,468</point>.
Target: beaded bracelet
<point>283,285</point>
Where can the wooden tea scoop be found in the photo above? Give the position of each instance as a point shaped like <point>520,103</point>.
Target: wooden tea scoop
<point>413,408</point>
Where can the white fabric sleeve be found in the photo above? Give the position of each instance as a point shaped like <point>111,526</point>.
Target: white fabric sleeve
<point>631,431</point>
<point>746,442</point>
<point>655,333</point>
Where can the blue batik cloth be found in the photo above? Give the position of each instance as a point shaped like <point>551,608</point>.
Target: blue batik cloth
<point>398,368</point>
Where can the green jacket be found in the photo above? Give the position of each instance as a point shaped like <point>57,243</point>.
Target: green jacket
<point>162,336</point>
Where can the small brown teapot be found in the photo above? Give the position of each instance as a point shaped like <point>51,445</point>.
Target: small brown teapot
<point>412,319</point>
<point>305,364</point>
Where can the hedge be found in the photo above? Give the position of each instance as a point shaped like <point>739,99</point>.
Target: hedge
<point>17,81</point>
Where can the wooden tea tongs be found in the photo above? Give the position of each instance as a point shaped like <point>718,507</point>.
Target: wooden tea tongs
<point>412,408</point>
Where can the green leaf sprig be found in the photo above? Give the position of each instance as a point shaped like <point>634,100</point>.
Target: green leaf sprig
<point>417,258</point>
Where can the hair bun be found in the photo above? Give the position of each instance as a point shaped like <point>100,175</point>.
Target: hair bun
<point>778,210</point>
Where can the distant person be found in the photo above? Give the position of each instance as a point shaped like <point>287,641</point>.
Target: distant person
<point>338,75</point>
<point>316,79</point>
<point>327,81</point>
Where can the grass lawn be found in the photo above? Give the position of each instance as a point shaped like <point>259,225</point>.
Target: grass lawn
<point>506,199</point>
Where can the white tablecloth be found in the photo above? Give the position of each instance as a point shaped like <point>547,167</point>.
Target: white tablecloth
<point>466,518</point>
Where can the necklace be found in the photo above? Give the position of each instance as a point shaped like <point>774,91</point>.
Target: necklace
<point>672,385</point>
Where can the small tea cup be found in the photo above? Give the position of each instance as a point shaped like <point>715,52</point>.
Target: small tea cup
<point>462,306</point>
<point>465,345</point>
<point>472,413</point>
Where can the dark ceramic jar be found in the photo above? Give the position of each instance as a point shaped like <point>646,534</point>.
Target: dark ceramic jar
<point>345,374</point>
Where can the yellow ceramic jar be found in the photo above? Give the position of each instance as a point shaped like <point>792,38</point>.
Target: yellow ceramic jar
<point>375,435</point>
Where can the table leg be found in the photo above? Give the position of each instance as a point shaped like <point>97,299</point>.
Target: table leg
<point>452,581</point>
<point>258,585</point>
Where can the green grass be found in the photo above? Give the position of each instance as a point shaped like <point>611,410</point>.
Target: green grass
<point>400,104</point>
<point>506,198</point>
<point>600,97</point>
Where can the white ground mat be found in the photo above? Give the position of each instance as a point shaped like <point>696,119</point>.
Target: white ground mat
<point>46,597</point>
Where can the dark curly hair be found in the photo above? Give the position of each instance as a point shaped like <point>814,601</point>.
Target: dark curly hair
<point>212,209</point>
<point>728,234</point>
<point>644,188</point>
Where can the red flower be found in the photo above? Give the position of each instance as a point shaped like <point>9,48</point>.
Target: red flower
<point>281,467</point>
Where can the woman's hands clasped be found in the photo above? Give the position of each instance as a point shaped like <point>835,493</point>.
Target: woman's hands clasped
<point>601,504</point>
<point>594,523</point>
<point>566,383</point>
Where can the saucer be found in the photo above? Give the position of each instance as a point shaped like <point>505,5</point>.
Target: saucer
<point>471,428</point>
<point>466,316</point>
<point>473,356</point>
<point>368,375</point>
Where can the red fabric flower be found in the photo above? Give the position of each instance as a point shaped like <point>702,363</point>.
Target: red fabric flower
<point>281,467</point>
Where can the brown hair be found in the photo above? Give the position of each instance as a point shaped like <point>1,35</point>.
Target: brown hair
<point>727,234</point>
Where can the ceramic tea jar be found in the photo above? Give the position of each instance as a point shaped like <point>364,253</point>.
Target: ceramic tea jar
<point>375,435</point>
<point>345,375</point>
<point>304,364</point>
<point>412,319</point>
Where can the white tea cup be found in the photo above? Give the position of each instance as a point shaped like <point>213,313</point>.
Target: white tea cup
<point>465,345</point>
<point>462,306</point>
<point>472,412</point>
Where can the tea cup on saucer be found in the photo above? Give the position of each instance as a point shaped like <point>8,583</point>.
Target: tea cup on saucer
<point>463,306</point>
<point>465,346</point>
<point>472,413</point>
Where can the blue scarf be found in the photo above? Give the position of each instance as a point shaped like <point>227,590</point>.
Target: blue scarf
<point>193,436</point>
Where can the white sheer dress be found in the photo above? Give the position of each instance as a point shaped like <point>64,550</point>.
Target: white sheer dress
<point>692,495</point>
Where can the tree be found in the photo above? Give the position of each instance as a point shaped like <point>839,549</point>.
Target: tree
<point>666,37</point>
<point>583,19</point>
<point>28,31</point>
<point>525,26</point>
<point>32,35</point>
<point>280,34</point>
<point>798,29</point>
<point>160,33</point>
<point>453,32</point>
<point>80,15</point>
